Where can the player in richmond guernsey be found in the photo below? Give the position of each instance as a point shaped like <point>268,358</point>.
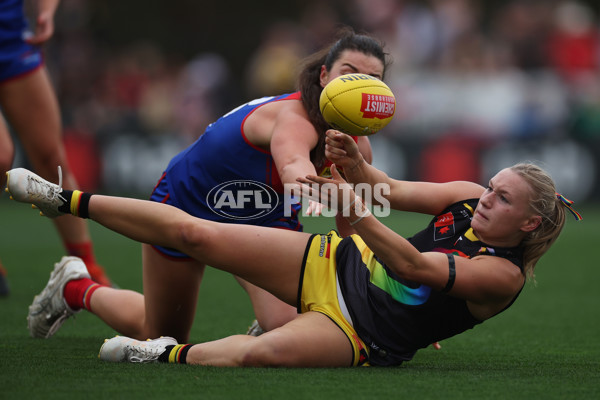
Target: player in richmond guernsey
<point>29,105</point>
<point>373,298</point>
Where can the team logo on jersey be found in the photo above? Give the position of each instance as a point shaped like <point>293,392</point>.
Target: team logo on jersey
<point>242,199</point>
<point>443,226</point>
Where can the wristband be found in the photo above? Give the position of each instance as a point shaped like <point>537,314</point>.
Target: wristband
<point>348,207</point>
<point>366,214</point>
<point>359,211</point>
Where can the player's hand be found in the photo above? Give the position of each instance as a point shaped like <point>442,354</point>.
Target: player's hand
<point>314,208</point>
<point>341,149</point>
<point>333,192</point>
<point>43,29</point>
<point>296,190</point>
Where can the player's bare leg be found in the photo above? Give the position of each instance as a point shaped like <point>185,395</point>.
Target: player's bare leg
<point>41,138</point>
<point>310,340</point>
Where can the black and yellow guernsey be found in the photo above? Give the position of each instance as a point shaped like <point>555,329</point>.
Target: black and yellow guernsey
<point>395,317</point>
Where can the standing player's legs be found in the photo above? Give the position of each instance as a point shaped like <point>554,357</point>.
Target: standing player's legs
<point>30,106</point>
<point>7,149</point>
<point>6,159</point>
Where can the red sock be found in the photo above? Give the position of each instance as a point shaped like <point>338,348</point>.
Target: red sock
<point>78,293</point>
<point>83,250</point>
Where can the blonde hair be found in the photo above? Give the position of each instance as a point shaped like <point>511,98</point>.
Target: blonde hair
<point>545,203</point>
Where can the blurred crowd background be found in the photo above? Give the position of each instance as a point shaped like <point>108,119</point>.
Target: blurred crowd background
<point>479,84</point>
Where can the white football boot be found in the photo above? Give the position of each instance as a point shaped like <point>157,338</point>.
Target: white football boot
<point>124,349</point>
<point>49,309</point>
<point>26,187</point>
<point>255,329</point>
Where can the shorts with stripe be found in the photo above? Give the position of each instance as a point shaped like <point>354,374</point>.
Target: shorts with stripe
<point>320,290</point>
<point>20,60</point>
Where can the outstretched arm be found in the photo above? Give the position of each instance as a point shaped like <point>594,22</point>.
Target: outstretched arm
<point>422,197</point>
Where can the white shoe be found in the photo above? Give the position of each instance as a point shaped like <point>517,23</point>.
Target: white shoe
<point>255,329</point>
<point>27,187</point>
<point>49,309</point>
<point>124,349</point>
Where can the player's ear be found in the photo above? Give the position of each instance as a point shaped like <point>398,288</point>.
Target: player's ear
<point>324,76</point>
<point>532,223</point>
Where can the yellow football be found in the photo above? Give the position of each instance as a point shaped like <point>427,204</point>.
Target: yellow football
<point>357,104</point>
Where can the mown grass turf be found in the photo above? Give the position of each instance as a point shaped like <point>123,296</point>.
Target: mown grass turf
<point>545,346</point>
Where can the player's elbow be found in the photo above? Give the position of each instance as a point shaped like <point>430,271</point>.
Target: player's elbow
<point>411,268</point>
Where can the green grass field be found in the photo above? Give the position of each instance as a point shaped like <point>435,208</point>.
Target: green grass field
<point>545,347</point>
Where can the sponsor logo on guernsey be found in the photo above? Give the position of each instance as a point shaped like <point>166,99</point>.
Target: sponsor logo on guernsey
<point>377,106</point>
<point>443,226</point>
<point>322,247</point>
<point>242,199</point>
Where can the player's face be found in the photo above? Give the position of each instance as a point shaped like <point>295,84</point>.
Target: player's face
<point>352,62</point>
<point>503,216</point>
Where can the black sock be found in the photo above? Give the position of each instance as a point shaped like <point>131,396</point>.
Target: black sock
<point>66,196</point>
<point>75,202</point>
<point>175,354</point>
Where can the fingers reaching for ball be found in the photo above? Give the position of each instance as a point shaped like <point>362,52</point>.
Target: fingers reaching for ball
<point>333,192</point>
<point>341,149</point>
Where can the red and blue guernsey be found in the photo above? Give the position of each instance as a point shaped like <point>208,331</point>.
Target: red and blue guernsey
<point>16,56</point>
<point>223,177</point>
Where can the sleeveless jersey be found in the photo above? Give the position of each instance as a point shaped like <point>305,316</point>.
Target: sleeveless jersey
<point>223,177</point>
<point>16,56</point>
<point>396,317</point>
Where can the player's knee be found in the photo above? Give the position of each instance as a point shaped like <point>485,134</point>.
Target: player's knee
<point>193,237</point>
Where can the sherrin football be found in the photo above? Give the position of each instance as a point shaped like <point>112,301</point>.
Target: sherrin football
<point>357,104</point>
